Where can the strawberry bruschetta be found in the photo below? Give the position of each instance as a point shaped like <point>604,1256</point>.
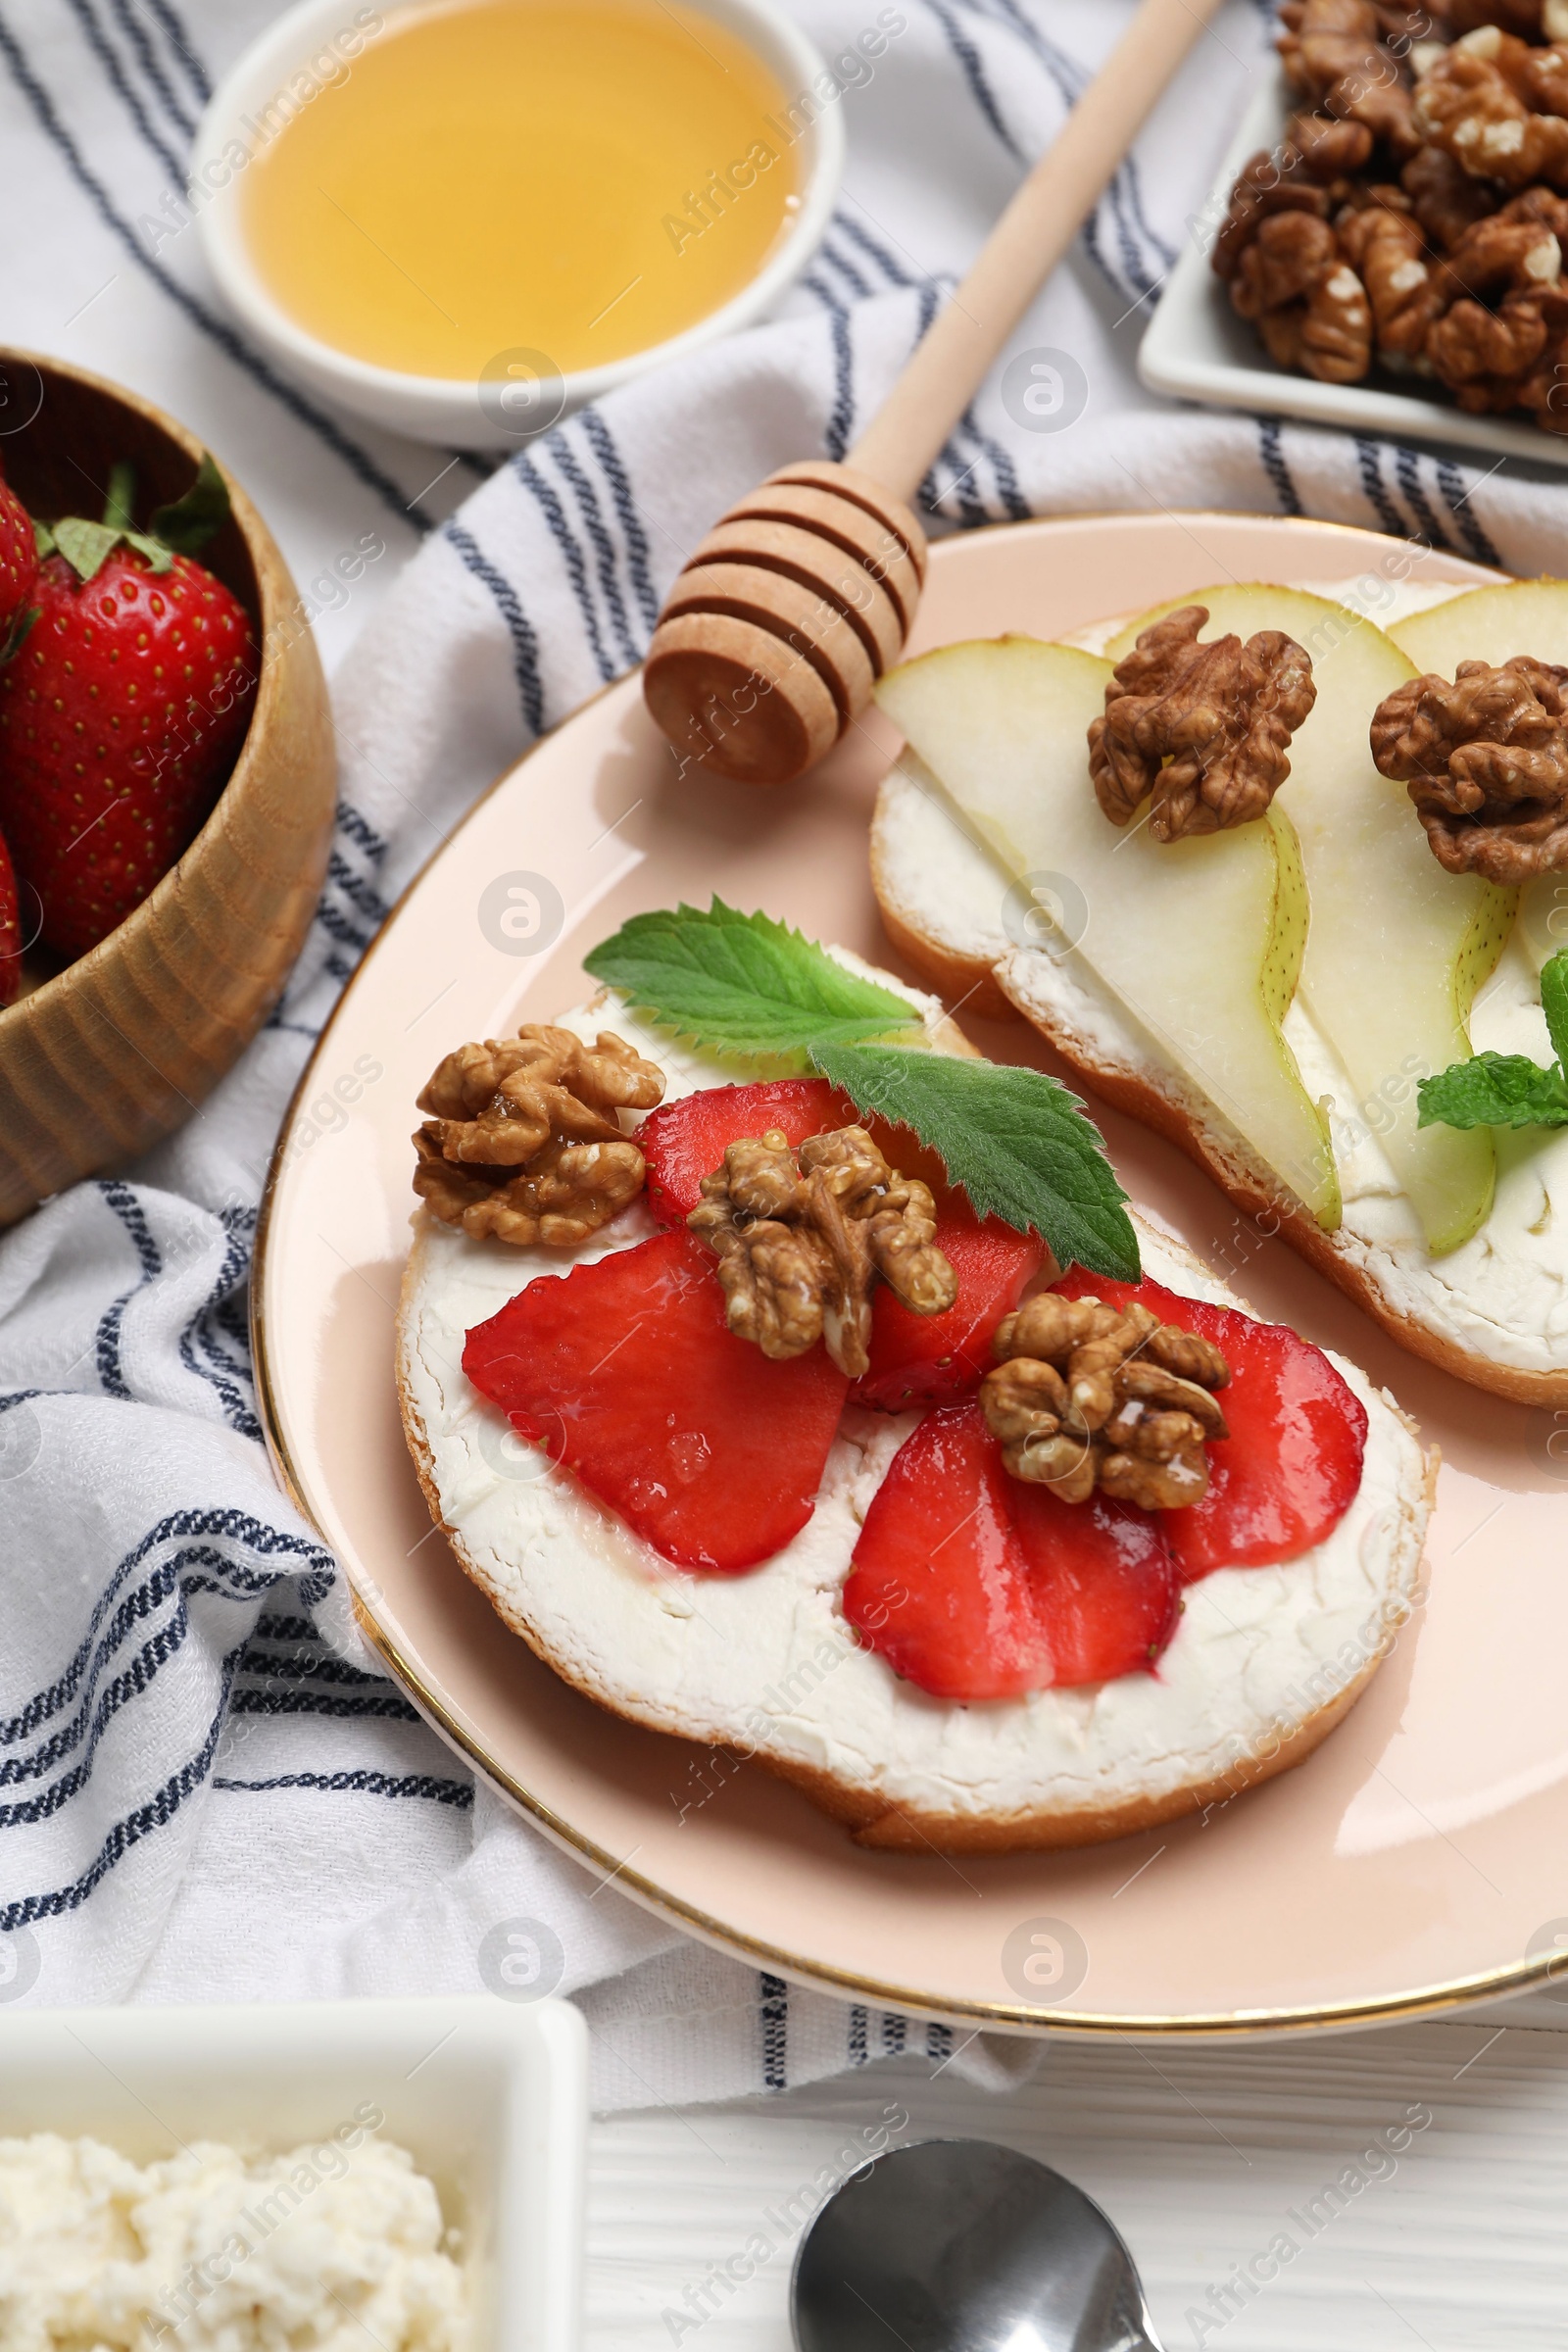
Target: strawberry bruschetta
<point>756,1416</point>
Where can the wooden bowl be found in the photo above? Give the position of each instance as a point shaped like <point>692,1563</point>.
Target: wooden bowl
<point>103,1057</point>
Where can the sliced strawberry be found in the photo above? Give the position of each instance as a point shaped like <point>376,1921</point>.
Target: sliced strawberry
<point>930,1360</point>
<point>1103,1579</point>
<point>683,1142</point>
<point>1291,1465</point>
<point>940,1584</point>
<point>626,1373</point>
<point>915,1359</point>
<point>976,1586</point>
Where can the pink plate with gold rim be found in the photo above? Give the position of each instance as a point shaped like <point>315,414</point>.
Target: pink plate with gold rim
<point>1418,1859</point>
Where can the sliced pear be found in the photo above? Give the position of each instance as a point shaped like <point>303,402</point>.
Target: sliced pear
<point>1488,625</point>
<point>1200,940</point>
<point>1397,947</point>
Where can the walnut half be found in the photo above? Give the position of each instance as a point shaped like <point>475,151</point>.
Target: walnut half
<point>1203,728</point>
<point>1486,761</point>
<point>520,1138</point>
<point>1087,1395</point>
<point>801,1237</point>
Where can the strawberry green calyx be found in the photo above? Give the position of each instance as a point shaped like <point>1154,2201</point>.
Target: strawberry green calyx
<point>189,522</point>
<point>177,529</point>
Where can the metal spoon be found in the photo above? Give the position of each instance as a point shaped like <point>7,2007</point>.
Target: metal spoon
<point>957,2245</point>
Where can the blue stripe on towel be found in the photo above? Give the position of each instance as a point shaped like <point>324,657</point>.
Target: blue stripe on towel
<point>129,1830</point>
<point>524,643</point>
<point>1271,452</point>
<point>1369,458</point>
<point>588,505</point>
<point>372,1784</point>
<point>613,466</point>
<point>570,551</point>
<point>120,1197</point>
<point>1457,498</point>
<point>179,39</point>
<point>134,30</point>
<point>775,2022</point>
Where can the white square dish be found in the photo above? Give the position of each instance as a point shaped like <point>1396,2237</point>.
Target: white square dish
<point>490,2098</point>
<point>1195,347</point>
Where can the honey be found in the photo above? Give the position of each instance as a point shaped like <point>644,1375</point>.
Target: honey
<point>581,178</point>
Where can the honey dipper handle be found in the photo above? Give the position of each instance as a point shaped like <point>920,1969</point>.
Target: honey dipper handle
<point>1028,241</point>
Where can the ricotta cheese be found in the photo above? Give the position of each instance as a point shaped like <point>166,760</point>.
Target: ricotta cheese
<point>766,1662</point>
<point>326,2249</point>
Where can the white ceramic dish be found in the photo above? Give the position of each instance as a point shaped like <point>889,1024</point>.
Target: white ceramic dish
<point>445,408</point>
<point>490,2097</point>
<point>1195,348</point>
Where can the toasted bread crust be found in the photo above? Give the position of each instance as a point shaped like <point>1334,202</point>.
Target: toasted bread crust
<point>907,1830</point>
<point>966,980</point>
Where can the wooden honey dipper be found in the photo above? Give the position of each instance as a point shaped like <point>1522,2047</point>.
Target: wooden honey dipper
<point>792,608</point>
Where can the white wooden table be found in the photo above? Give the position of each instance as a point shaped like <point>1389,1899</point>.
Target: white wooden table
<point>1203,2157</point>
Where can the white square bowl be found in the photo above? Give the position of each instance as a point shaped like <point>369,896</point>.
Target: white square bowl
<point>490,2098</point>
<point>1195,347</point>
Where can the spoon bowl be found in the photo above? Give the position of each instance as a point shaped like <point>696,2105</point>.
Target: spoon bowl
<point>958,2245</point>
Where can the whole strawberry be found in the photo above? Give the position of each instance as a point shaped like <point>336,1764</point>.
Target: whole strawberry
<point>19,566</point>
<point>10,931</point>
<point>121,716</point>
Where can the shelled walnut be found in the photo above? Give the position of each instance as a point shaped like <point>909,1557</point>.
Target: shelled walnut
<point>801,1238</point>
<point>1421,152</point>
<point>1444,199</point>
<point>1086,1396</point>
<point>1388,250</point>
<point>1486,761</point>
<point>1267,185</point>
<point>1337,54</point>
<point>1310,307</point>
<point>1482,103</point>
<point>1505,312</point>
<point>520,1138</point>
<point>1201,728</point>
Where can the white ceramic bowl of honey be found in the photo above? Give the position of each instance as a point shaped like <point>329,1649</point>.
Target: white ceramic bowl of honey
<point>461,218</point>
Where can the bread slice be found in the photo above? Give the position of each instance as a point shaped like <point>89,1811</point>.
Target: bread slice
<point>1265,1662</point>
<point>1485,1312</point>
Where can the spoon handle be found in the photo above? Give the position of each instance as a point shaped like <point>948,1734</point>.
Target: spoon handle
<point>1030,238</point>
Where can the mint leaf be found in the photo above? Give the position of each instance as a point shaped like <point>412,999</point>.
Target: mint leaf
<point>744,985</point>
<point>1019,1142</point>
<point>188,522</point>
<point>1494,1089</point>
<point>1554,1002</point>
<point>1016,1142</point>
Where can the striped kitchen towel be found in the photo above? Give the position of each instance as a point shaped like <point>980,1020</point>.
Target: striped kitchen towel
<point>206,1788</point>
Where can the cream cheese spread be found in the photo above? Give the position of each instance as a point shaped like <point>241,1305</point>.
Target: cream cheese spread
<point>764,1661</point>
